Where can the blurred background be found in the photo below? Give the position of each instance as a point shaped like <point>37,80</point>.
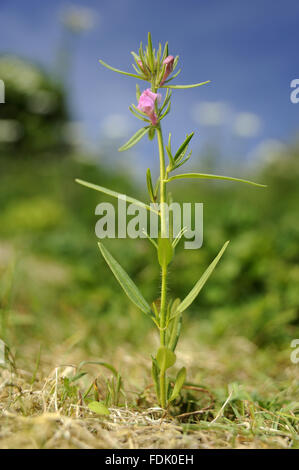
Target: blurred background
<point>64,117</point>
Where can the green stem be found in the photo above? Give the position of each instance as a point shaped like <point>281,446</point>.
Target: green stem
<point>163,308</point>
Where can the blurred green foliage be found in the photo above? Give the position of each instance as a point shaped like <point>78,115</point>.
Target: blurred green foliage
<point>55,285</point>
<point>63,284</point>
<point>33,119</point>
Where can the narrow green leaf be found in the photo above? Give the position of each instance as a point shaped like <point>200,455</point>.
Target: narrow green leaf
<point>125,281</point>
<point>181,162</point>
<point>77,376</point>
<point>165,358</point>
<point>135,68</point>
<point>158,58</point>
<point>155,376</point>
<point>165,112</point>
<point>99,363</point>
<point>165,51</point>
<point>138,92</point>
<point>199,285</point>
<point>142,58</point>
<point>151,133</point>
<point>149,184</point>
<point>138,115</point>
<point>214,177</point>
<point>179,236</point>
<point>121,71</point>
<point>166,100</point>
<point>186,86</point>
<point>157,187</point>
<point>165,251</point>
<point>134,139</point>
<point>98,407</point>
<point>179,382</point>
<point>150,51</point>
<point>174,76</point>
<point>175,329</point>
<point>183,146</point>
<point>101,189</point>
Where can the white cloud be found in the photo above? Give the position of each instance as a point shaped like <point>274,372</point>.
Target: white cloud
<point>212,113</point>
<point>247,125</point>
<point>116,126</point>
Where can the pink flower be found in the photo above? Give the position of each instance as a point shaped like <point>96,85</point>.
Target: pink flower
<point>169,66</point>
<point>146,104</point>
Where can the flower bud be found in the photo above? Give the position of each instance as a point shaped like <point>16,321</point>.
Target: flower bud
<point>169,67</point>
<point>140,65</point>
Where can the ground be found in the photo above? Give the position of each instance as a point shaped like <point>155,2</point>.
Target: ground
<point>247,405</point>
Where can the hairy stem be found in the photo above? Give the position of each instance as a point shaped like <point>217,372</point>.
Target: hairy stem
<point>163,308</point>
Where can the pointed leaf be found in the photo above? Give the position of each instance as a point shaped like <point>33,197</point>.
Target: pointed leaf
<point>186,86</point>
<point>165,112</point>
<point>179,382</point>
<point>165,51</point>
<point>150,51</point>
<point>134,139</point>
<point>101,189</point>
<point>165,251</point>
<point>151,133</point>
<point>155,376</point>
<point>215,177</point>
<point>173,76</point>
<point>199,285</point>
<point>150,184</point>
<point>138,115</point>
<point>120,71</point>
<point>175,329</point>
<point>183,146</point>
<point>125,281</point>
<point>165,358</point>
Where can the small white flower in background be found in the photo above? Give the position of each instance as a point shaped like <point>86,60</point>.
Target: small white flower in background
<point>78,19</point>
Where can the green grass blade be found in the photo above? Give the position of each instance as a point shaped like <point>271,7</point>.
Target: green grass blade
<point>134,139</point>
<point>126,282</point>
<point>199,285</point>
<point>214,177</point>
<point>120,71</point>
<point>186,86</point>
<point>101,189</point>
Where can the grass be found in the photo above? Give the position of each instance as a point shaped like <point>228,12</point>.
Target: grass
<point>42,408</point>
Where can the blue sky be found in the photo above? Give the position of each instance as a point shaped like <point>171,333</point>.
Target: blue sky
<point>248,49</point>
